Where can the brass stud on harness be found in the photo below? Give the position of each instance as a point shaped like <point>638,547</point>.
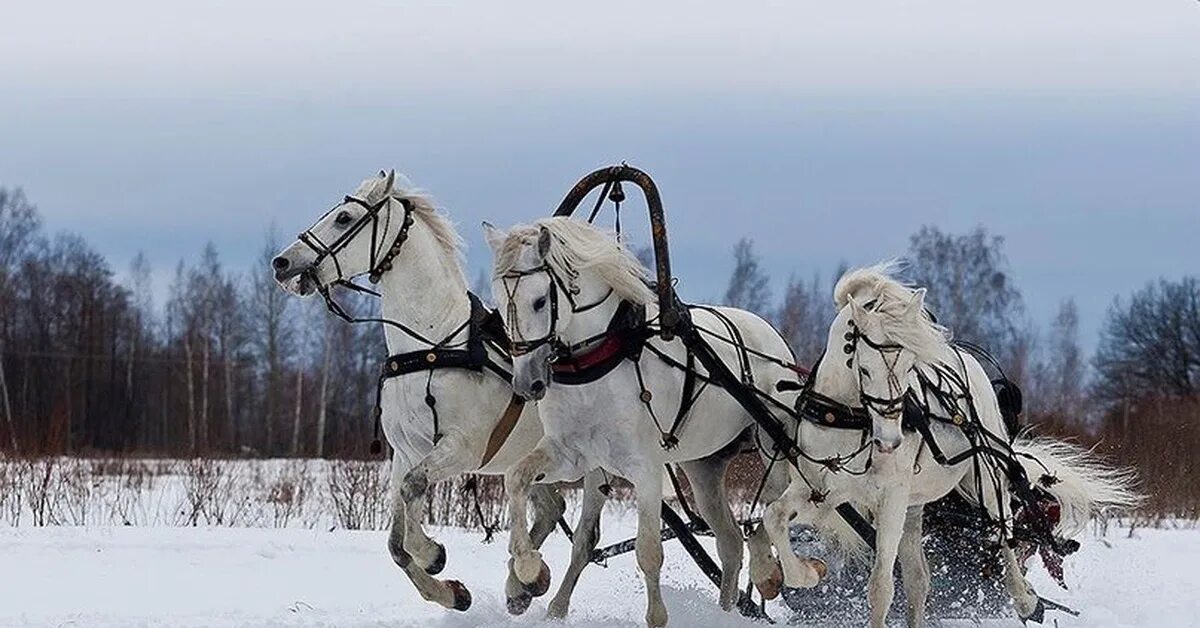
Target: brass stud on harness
<point>394,366</point>
<point>431,357</point>
<point>646,396</point>
<point>829,418</point>
<point>958,419</point>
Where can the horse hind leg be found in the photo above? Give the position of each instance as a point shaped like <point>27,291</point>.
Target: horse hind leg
<point>587,535</point>
<point>707,479</point>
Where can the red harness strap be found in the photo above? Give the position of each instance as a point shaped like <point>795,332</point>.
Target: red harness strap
<point>606,350</point>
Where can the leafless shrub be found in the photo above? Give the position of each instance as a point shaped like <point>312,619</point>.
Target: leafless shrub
<point>358,492</point>
<point>12,484</point>
<point>213,493</point>
<point>471,501</point>
<point>287,489</point>
<point>72,483</point>
<point>39,489</point>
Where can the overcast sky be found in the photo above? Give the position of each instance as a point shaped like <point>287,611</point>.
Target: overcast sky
<point>825,131</point>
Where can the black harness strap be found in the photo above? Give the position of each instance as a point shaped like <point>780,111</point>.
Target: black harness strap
<point>473,357</point>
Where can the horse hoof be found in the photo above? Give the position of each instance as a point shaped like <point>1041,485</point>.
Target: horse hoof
<point>771,587</point>
<point>1037,615</point>
<point>439,561</point>
<point>462,596</point>
<point>820,567</point>
<point>538,587</point>
<point>519,603</point>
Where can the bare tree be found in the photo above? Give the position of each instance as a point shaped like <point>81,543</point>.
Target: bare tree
<point>749,287</point>
<point>1059,381</point>
<point>1150,344</point>
<point>972,293</point>
<point>272,331</point>
<point>804,316</point>
<point>19,222</point>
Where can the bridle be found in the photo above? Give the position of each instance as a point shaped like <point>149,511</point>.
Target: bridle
<point>891,408</point>
<point>380,260</point>
<point>521,345</point>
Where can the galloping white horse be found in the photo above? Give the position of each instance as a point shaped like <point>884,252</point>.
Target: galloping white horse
<point>574,301</point>
<point>370,232</point>
<point>882,346</point>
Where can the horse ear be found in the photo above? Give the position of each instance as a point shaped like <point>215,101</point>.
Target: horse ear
<point>389,181</point>
<point>916,303</point>
<point>543,241</point>
<point>857,312</point>
<point>382,174</point>
<point>495,237</point>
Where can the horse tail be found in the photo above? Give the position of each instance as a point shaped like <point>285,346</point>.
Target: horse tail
<point>1081,481</point>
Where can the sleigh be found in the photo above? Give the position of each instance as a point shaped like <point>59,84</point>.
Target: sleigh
<point>968,582</point>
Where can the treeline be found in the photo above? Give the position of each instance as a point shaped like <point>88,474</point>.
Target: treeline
<point>229,365</point>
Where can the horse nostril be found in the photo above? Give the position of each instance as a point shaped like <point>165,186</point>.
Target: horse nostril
<point>537,386</point>
<point>280,263</point>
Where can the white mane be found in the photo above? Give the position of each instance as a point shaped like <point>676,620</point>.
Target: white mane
<point>575,246</point>
<point>885,300</point>
<point>443,231</point>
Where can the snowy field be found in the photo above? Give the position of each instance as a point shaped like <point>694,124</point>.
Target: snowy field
<point>106,576</point>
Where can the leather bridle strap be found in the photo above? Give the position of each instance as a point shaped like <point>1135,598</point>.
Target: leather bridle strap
<point>521,346</point>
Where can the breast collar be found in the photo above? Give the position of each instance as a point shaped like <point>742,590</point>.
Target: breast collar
<point>481,328</point>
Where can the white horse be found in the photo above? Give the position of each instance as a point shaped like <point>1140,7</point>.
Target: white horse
<point>375,229</point>
<point>572,295</point>
<point>882,346</point>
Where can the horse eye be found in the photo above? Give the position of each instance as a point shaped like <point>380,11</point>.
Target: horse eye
<point>539,303</point>
<point>343,218</point>
<point>862,371</point>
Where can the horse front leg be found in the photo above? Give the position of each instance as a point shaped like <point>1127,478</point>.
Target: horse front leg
<point>765,570</point>
<point>1025,599</point>
<point>448,593</point>
<point>587,535</point>
<point>648,545</point>
<point>451,456</point>
<point>528,576</point>
<point>914,569</point>
<point>793,506</point>
<point>889,528</point>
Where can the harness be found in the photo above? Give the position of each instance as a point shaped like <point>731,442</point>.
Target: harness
<point>473,356</point>
<point>988,451</point>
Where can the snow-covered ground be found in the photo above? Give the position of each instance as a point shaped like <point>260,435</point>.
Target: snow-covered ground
<point>167,576</point>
